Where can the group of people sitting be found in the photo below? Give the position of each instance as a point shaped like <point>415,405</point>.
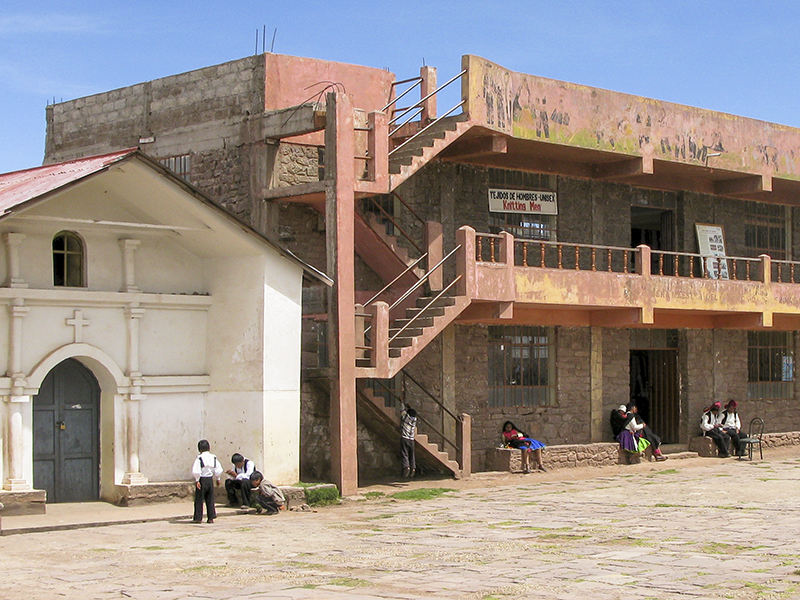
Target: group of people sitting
<point>724,427</point>
<point>632,432</point>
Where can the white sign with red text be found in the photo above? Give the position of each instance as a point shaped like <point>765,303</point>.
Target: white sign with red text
<point>523,201</point>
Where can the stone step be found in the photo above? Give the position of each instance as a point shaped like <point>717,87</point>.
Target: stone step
<point>409,332</point>
<point>426,321</point>
<point>424,301</point>
<point>433,311</point>
<point>401,342</point>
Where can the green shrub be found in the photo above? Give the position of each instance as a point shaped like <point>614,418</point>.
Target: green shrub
<point>321,496</point>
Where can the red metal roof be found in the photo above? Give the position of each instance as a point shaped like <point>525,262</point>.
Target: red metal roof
<point>19,187</point>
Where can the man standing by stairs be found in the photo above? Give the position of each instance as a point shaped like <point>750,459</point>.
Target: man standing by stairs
<point>408,431</point>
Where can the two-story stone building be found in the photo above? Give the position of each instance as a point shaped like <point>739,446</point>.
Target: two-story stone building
<point>542,252</point>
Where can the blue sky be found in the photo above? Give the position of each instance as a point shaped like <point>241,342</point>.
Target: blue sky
<point>734,56</point>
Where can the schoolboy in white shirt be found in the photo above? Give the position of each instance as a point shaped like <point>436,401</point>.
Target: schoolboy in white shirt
<point>206,469</point>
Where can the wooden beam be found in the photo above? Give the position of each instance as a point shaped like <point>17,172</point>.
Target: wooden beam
<point>743,185</point>
<point>641,165</point>
<point>292,121</point>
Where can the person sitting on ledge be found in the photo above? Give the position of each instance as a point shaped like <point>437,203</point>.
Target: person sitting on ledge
<point>645,431</point>
<point>711,424</point>
<point>515,438</point>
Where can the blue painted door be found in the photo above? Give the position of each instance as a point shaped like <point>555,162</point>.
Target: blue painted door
<point>66,434</point>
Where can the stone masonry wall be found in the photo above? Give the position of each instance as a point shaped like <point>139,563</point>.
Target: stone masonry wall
<point>616,374</point>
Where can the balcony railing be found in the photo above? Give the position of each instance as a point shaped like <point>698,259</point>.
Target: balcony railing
<point>489,248</point>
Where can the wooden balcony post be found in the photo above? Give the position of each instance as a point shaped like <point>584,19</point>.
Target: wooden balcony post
<point>379,335</point>
<point>378,148</point>
<point>428,85</point>
<point>643,264</point>
<point>465,261</point>
<point>766,269</point>
<point>464,441</point>
<point>433,240</point>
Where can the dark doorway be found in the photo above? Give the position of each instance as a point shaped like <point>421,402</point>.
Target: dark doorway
<point>66,433</point>
<point>653,227</point>
<point>654,388</point>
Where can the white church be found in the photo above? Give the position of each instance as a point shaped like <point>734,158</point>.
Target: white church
<point>140,317</point>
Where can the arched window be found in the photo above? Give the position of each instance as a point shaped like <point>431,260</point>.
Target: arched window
<point>68,260</point>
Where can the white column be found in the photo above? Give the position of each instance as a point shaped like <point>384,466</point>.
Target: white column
<point>15,477</point>
<point>128,247</point>
<point>12,242</point>
<point>131,400</point>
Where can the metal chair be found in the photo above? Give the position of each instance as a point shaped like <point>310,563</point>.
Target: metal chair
<point>754,433</point>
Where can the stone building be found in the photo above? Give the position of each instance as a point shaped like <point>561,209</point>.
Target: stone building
<point>141,318</point>
<point>544,251</point>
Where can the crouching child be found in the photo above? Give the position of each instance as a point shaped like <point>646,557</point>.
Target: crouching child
<point>265,495</point>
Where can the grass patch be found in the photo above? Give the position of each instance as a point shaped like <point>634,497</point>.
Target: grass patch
<point>422,493</point>
<point>666,472</point>
<point>205,569</point>
<point>374,495</point>
<point>665,505</point>
<point>349,582</point>
<point>322,496</point>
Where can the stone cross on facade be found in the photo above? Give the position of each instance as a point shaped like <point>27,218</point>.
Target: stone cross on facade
<point>78,322</point>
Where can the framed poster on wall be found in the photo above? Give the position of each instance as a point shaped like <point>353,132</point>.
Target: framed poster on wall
<point>711,243</point>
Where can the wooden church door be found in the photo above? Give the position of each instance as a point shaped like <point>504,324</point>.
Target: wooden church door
<point>66,434</point>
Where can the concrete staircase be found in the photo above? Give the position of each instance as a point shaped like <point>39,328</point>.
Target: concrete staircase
<point>385,421</point>
<point>411,157</point>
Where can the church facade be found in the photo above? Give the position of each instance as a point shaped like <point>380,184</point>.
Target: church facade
<point>140,318</point>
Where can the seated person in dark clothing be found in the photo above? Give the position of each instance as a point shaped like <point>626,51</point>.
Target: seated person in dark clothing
<point>619,419</point>
<point>239,479</point>
<point>711,424</point>
<point>646,432</point>
<point>732,425</point>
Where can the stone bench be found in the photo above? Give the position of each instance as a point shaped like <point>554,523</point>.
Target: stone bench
<point>703,445</point>
<point>557,457</point>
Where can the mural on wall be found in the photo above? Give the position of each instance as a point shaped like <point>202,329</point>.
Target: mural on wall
<point>536,108</point>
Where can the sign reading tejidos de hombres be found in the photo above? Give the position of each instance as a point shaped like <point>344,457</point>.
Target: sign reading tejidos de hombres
<point>523,201</point>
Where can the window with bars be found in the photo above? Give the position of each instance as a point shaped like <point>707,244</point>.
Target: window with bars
<point>770,364</point>
<point>522,226</point>
<point>521,366</point>
<point>68,260</point>
<point>179,165</point>
<point>765,229</point>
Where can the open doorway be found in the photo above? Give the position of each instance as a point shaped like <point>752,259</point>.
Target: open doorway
<point>655,381</point>
<point>653,227</point>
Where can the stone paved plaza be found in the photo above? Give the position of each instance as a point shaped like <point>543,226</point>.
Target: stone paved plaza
<point>696,528</point>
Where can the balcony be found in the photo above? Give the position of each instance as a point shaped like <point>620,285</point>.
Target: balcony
<point>558,283</point>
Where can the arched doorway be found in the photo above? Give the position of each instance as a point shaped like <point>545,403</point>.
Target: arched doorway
<point>66,434</point>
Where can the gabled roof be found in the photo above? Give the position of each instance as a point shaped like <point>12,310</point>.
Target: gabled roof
<point>21,189</point>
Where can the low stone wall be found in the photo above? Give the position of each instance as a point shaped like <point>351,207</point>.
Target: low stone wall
<point>22,503</point>
<point>557,457</point>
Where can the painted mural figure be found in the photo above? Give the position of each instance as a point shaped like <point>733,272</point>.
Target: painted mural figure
<point>206,468</point>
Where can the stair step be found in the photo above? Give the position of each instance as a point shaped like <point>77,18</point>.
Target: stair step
<point>409,332</point>
<point>401,342</point>
<point>395,352</point>
<point>433,311</point>
<point>422,302</point>
<point>363,362</point>
<point>426,321</point>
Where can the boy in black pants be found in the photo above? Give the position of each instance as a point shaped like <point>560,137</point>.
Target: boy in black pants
<point>205,469</point>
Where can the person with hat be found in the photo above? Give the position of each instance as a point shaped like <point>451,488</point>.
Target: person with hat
<point>711,424</point>
<point>733,426</point>
<point>637,424</point>
<point>618,419</point>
